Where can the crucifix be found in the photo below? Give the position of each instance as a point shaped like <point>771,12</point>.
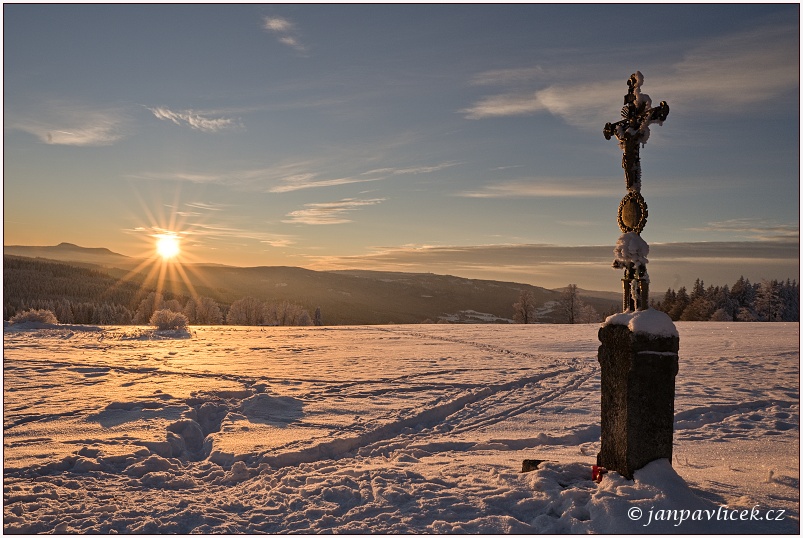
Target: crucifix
<point>632,131</point>
<point>638,360</point>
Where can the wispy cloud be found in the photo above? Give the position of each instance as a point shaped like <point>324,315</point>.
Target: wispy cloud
<point>288,177</point>
<point>328,212</point>
<point>206,206</point>
<point>70,124</point>
<point>541,188</point>
<point>307,181</point>
<point>195,120</point>
<point>755,229</point>
<point>256,179</point>
<point>507,76</point>
<point>285,32</point>
<point>411,170</point>
<point>202,232</point>
<point>726,74</point>
<point>553,266</point>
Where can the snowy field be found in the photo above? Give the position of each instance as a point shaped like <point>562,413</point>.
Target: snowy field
<point>391,429</point>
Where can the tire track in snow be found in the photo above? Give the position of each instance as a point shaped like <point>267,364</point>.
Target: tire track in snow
<point>539,399</point>
<point>586,370</point>
<point>478,345</point>
<point>426,419</point>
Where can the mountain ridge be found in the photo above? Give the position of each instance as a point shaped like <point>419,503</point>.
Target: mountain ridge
<point>354,297</point>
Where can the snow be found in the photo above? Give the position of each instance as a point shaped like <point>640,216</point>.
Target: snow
<point>650,321</point>
<point>630,248</point>
<point>392,429</point>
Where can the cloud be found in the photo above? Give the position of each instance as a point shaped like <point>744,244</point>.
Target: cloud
<point>328,212</point>
<point>256,179</point>
<point>277,24</point>
<point>290,177</point>
<point>551,266</point>
<point>206,206</point>
<point>507,76</point>
<point>542,188</point>
<point>195,120</point>
<point>728,74</point>
<point>285,32</point>
<point>221,231</point>
<point>755,229</point>
<point>305,181</point>
<point>414,170</point>
<point>70,124</point>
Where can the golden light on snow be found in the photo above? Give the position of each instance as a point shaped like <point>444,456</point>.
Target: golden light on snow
<point>168,246</point>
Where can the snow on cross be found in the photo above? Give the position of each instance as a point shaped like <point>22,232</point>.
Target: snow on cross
<point>633,131</point>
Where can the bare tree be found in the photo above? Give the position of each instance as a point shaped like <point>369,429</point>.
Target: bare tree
<point>570,303</point>
<point>588,314</point>
<point>524,310</point>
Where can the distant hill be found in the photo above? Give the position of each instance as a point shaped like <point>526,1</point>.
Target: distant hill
<point>344,297</point>
<point>69,252</point>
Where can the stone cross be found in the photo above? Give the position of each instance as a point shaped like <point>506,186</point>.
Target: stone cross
<point>638,352</point>
<point>632,131</point>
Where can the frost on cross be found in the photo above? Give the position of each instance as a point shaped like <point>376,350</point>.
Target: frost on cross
<point>631,254</point>
<point>632,132</point>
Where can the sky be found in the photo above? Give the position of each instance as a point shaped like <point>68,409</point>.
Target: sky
<point>452,139</point>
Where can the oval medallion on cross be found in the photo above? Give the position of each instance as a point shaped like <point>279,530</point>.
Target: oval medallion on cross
<point>632,213</point>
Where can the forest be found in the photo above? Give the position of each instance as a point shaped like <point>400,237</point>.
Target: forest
<point>83,295</point>
<point>770,300</point>
<point>89,297</point>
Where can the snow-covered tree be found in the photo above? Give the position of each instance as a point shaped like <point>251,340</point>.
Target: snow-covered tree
<point>286,314</point>
<point>147,306</point>
<point>203,311</point>
<point>246,311</point>
<point>172,304</point>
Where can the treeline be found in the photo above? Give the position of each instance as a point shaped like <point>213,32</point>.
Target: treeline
<point>771,300</point>
<point>570,308</point>
<point>88,297</point>
<point>76,293</point>
<point>198,311</point>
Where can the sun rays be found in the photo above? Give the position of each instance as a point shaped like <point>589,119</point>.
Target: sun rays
<point>165,260</point>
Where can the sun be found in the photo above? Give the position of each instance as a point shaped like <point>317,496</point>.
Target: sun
<point>168,246</point>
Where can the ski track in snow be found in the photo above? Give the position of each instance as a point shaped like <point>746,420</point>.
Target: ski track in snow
<point>393,429</point>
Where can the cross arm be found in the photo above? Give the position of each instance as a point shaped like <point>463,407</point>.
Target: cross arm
<point>658,113</point>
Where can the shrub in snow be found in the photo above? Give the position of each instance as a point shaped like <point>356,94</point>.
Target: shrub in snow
<point>41,316</point>
<point>167,320</point>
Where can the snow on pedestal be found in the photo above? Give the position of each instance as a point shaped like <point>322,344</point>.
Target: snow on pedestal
<point>651,322</point>
<point>638,359</point>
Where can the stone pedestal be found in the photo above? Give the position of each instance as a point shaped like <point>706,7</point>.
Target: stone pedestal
<point>638,397</point>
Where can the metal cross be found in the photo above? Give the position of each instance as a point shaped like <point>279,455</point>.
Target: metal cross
<point>633,130</point>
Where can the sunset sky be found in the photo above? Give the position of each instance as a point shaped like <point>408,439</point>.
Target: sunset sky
<point>454,139</point>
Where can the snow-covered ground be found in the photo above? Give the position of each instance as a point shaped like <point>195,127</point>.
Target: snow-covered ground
<point>391,429</point>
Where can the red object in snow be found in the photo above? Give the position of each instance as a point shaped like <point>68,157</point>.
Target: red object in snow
<point>597,472</point>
